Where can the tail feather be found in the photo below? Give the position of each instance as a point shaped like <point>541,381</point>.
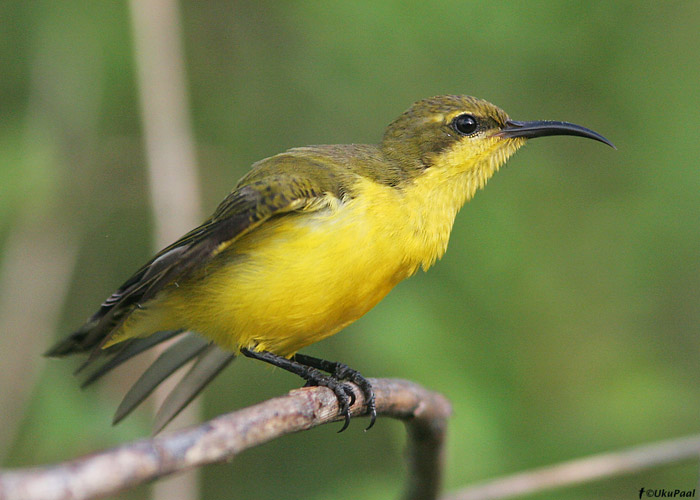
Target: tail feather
<point>207,367</point>
<point>170,360</point>
<point>210,360</point>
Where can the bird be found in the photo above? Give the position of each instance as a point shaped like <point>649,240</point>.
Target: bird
<point>306,243</point>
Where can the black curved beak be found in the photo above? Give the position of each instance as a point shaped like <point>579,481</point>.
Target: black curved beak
<point>530,130</point>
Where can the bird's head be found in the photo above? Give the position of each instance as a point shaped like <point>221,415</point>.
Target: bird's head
<point>462,133</point>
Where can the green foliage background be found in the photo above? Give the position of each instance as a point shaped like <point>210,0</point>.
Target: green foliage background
<point>563,320</point>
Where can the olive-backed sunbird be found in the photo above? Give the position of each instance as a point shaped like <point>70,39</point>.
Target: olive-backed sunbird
<point>306,243</point>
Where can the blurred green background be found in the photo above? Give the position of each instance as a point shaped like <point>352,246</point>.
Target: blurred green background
<point>563,320</point>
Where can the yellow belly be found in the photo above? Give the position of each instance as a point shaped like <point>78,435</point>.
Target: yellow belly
<point>295,280</point>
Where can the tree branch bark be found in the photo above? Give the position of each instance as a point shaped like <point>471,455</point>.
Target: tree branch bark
<point>108,472</point>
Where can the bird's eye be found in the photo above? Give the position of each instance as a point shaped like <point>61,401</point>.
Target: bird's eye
<point>465,124</point>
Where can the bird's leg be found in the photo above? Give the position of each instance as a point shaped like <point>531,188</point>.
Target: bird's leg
<point>341,371</point>
<point>313,376</point>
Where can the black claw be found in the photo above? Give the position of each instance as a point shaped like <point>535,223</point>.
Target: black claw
<point>346,423</point>
<point>345,399</point>
<point>351,394</point>
<point>372,414</point>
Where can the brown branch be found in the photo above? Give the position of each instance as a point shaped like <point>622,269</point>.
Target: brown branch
<point>108,472</point>
<point>584,470</point>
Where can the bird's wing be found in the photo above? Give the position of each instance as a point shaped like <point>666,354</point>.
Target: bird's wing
<point>248,206</point>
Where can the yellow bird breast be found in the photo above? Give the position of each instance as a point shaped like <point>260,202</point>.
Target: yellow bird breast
<point>297,278</point>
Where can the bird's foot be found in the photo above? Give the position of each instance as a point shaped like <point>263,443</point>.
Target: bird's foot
<point>342,372</point>
<point>310,369</point>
